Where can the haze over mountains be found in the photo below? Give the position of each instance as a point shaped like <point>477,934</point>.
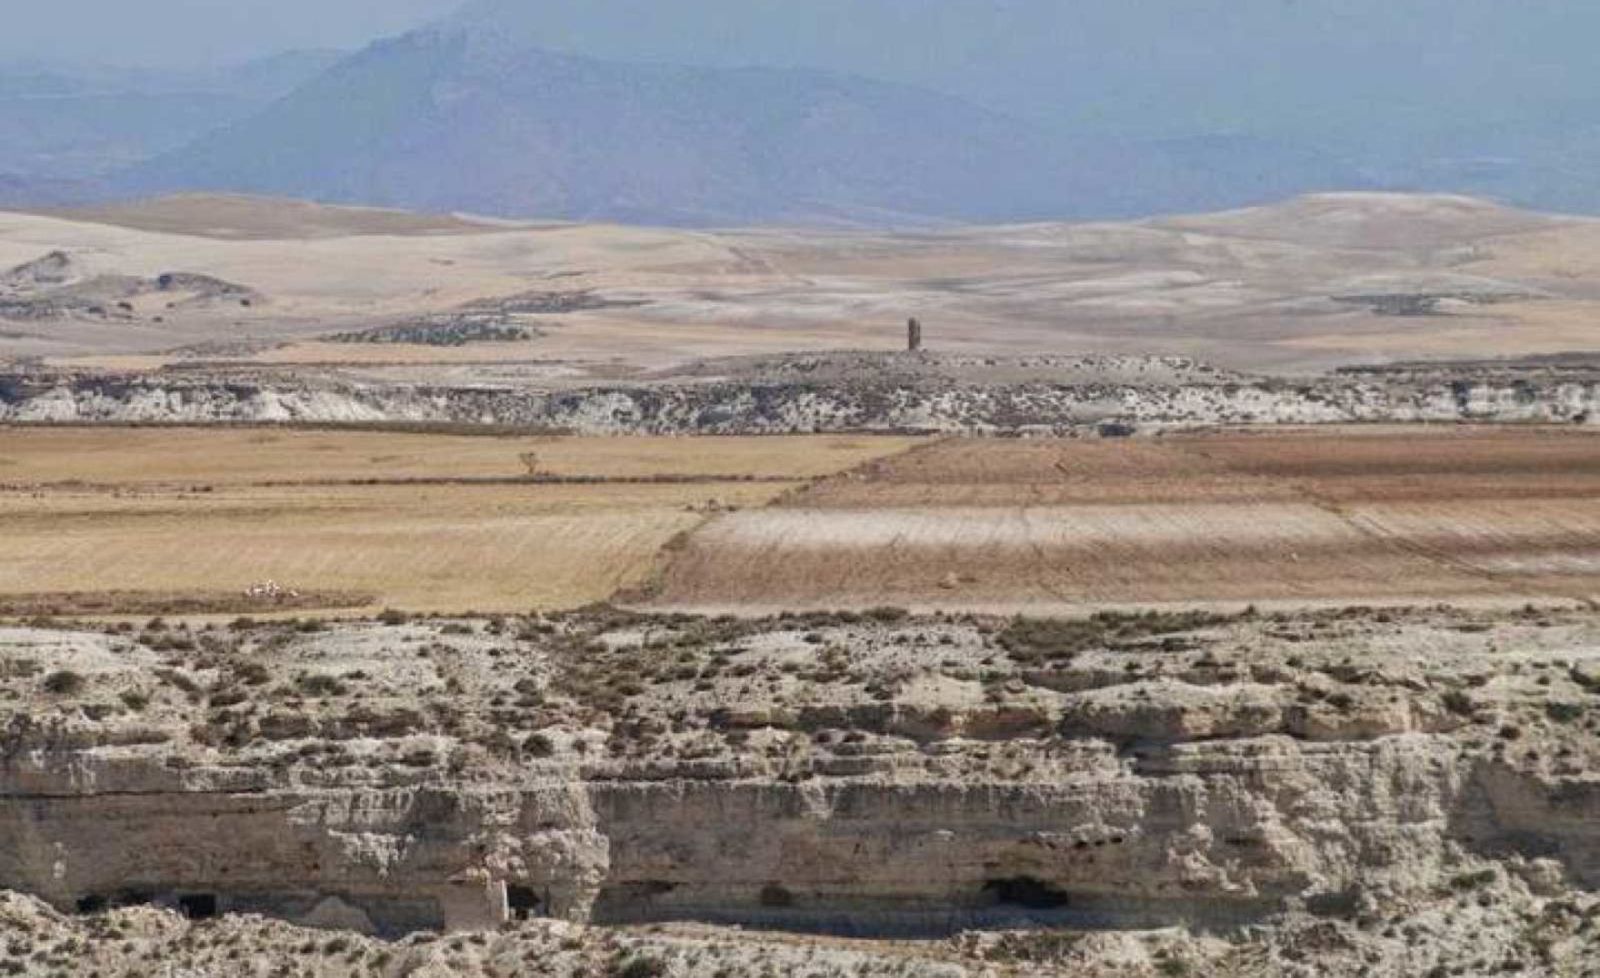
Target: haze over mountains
<point>873,112</point>
<point>65,130</point>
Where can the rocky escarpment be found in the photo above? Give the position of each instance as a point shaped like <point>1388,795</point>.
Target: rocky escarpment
<point>868,774</point>
<point>1105,394</point>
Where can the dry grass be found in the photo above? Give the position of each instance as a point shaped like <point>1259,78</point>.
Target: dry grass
<point>245,456</point>
<point>118,511</point>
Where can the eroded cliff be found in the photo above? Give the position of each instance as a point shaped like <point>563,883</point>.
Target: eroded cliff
<point>871,775</point>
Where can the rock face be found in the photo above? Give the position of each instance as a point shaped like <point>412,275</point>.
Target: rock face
<point>1064,395</point>
<point>860,774</point>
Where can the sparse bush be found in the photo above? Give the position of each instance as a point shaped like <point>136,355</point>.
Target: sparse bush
<point>1459,703</point>
<point>887,615</point>
<point>1563,712</point>
<point>224,698</point>
<point>1463,882</point>
<point>1034,640</point>
<point>63,682</point>
<point>638,966</point>
<point>320,685</point>
<point>251,673</point>
<point>175,678</point>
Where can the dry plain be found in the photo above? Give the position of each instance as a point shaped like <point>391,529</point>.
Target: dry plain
<point>1293,287</point>
<point>423,522</point>
<point>440,522</point>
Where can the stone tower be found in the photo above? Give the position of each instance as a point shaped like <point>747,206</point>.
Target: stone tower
<point>914,336</point>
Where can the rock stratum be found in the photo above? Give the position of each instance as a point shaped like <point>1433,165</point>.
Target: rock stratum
<point>836,393</point>
<point>1340,792</point>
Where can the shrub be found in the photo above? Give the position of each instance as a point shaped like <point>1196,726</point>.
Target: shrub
<point>1459,703</point>
<point>887,615</point>
<point>1472,881</point>
<point>1563,712</point>
<point>638,966</point>
<point>251,673</point>
<point>178,679</point>
<point>63,682</point>
<point>319,685</point>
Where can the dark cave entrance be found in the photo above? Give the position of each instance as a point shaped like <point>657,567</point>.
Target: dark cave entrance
<point>198,906</point>
<point>523,903</point>
<point>1026,892</point>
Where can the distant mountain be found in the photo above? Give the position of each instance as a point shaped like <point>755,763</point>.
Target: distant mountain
<point>1466,96</point>
<point>68,126</point>
<point>446,119</point>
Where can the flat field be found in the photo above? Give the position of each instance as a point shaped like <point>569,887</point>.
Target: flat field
<point>1370,515</point>
<point>138,518</point>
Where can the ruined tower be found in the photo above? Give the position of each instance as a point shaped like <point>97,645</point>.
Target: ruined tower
<point>914,336</point>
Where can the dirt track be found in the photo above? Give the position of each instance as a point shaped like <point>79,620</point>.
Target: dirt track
<point>1297,517</point>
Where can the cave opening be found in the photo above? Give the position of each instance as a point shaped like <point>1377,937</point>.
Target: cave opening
<point>1026,892</point>
<point>198,906</point>
<point>523,903</point>
<point>92,904</point>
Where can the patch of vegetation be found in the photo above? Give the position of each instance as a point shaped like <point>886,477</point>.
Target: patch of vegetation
<point>320,685</point>
<point>63,682</point>
<point>452,330</point>
<point>539,745</point>
<point>1043,947</point>
<point>1034,641</point>
<point>1462,882</point>
<point>1459,703</point>
<point>637,966</point>
<point>1564,712</point>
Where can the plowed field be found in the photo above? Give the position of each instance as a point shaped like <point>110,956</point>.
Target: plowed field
<point>1369,515</point>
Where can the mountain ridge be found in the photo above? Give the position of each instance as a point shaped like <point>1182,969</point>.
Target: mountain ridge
<point>446,119</point>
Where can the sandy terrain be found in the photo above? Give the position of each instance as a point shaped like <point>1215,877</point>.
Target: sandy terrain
<point>1365,515</point>
<point>1286,288</point>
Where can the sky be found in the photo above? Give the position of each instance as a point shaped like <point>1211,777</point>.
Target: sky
<point>198,33</point>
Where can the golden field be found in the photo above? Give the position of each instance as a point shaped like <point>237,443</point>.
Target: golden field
<point>211,512</point>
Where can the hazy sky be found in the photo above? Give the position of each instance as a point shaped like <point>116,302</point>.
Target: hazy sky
<point>172,33</point>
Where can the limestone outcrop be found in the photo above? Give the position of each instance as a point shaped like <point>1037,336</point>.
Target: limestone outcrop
<point>1113,395</point>
<point>868,775</point>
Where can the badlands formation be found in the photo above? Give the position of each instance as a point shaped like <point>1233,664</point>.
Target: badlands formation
<point>1015,667</point>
